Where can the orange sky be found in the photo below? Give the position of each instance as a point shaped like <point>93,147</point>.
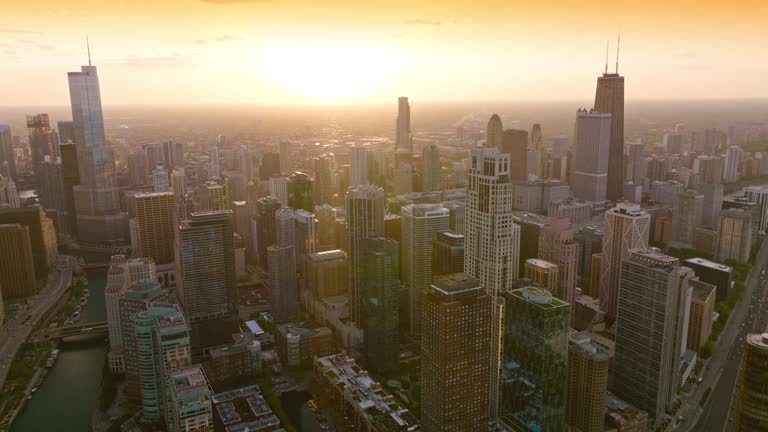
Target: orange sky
<point>296,52</point>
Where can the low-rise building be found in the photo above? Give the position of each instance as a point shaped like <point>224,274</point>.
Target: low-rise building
<point>230,362</point>
<point>623,417</point>
<point>299,343</point>
<point>719,275</point>
<point>190,396</point>
<point>701,313</point>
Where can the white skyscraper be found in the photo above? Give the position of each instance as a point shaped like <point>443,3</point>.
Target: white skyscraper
<point>213,162</point>
<point>359,166</point>
<point>589,180</point>
<point>627,227</point>
<point>403,132</point>
<point>492,244</point>
<point>278,188</point>
<point>420,225</point>
<point>160,180</point>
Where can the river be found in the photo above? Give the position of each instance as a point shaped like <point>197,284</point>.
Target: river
<point>66,399</point>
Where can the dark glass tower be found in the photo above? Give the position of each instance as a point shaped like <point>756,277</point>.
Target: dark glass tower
<point>609,98</point>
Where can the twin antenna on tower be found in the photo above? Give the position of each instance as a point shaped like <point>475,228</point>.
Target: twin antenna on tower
<point>618,45</point>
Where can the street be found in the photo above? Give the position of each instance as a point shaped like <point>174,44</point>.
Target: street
<point>15,331</point>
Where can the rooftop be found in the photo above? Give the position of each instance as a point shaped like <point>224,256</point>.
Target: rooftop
<point>758,340</point>
<point>189,378</point>
<point>541,263</point>
<point>710,264</point>
<point>457,283</point>
<point>538,297</point>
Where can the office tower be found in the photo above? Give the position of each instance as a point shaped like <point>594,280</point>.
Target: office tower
<point>306,234</point>
<point>210,197</point>
<point>589,180</point>
<point>542,273</point>
<point>282,268</point>
<point>299,192</point>
<point>759,195</point>
<point>190,398</point>
<point>160,180</point>
<point>326,227</point>
<point>39,129</point>
<point>381,304</point>
<point>588,367</point>
<point>492,244</point>
<point>514,142</point>
<point>403,126</point>
<point>42,248</point>
<point>214,169</point>
<point>7,154</point>
<point>403,179</point>
<point>173,155</point>
<point>535,379</point>
<point>378,167</point>
<point>178,183</point>
<point>136,298</point>
<point>270,166</point>
<point>420,225</point>
<point>627,227</point>
<point>590,240</point>
<point>115,287</point>
<point>99,219</point>
<point>557,245</point>
<point>154,154</point>
<point>285,150</point>
<point>455,348</point>
<point>163,346</point>
<point>325,274</point>
<point>278,188</point>
<point>359,162</point>
<point>17,269</point>
<point>12,194</point>
<point>55,144</point>
<point>52,195</point>
<point>635,172</point>
<point>701,313</point>
<point>732,162</point>
<point>432,171</point>
<point>650,312</point>
<point>365,219</point>
<point>494,132</point>
<point>712,202</point>
<point>687,216</point>
<point>206,279</point>
<point>734,235</point>
<point>242,222</point>
<point>71,174</point>
<point>752,415</point>
<point>609,98</point>
<point>448,253</point>
<point>456,216</point>
<point>137,169</point>
<point>322,182</point>
<point>234,185</point>
<point>265,227</point>
<point>155,226</point>
<point>673,143</point>
<point>710,168</point>
<point>2,307</point>
<point>537,146</point>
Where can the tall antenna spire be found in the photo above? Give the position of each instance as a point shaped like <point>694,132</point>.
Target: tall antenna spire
<point>606,56</point>
<point>88,44</point>
<point>618,45</point>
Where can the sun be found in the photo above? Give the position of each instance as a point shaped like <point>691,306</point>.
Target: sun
<point>330,72</point>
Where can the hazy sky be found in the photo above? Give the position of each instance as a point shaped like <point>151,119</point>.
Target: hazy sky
<point>327,51</point>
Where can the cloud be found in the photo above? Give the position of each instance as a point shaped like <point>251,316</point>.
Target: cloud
<point>17,31</point>
<point>222,38</point>
<point>226,2</point>
<point>423,22</point>
<point>156,62</point>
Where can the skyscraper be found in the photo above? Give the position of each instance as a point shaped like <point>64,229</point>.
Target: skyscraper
<point>732,161</point>
<point>492,244</point>
<point>651,312</point>
<point>403,127</point>
<point>589,180</point>
<point>455,351</point>
<point>514,142</point>
<point>17,271</point>
<point>494,132</point>
<point>381,304</point>
<point>557,245</point>
<point>7,154</point>
<point>365,219</point>
<point>282,267</point>
<point>137,169</point>
<point>322,182</point>
<point>759,195</point>
<point>155,226</point>
<point>588,366</point>
<point>214,170</point>
<point>432,173</point>
<point>537,146</point>
<point>39,130</point>
<point>534,378</point>
<point>265,228</point>
<point>420,225</point>
<point>52,194</point>
<point>359,166</point>
<point>206,279</point>
<point>752,415</point>
<point>542,273</point>
<point>278,188</point>
<point>299,192</point>
<point>734,235</point>
<point>687,216</point>
<point>285,150</point>
<point>609,98</point>
<point>99,219</point>
<point>627,227</point>
<point>448,253</point>
<point>160,180</point>
<point>173,155</point>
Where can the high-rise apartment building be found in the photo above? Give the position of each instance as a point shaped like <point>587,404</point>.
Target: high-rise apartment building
<point>589,179</point>
<point>701,314</point>
<point>381,304</point>
<point>651,317</point>
<point>491,245</point>
<point>17,269</point>
<point>542,273</point>
<point>359,168</point>
<point>365,219</point>
<point>420,225</point>
<point>325,274</point>
<point>210,196</point>
<point>173,155</point>
<point>588,370</point>
<point>732,161</point>
<point>322,181</point>
<point>160,180</point>
<point>557,245</point>
<point>214,170</point>
<point>7,153</point>
<point>609,98</point>
<point>43,247</point>
<point>514,142</point>
<point>116,286</point>
<point>154,226</point>
<point>206,279</point>
<point>687,216</point>
<point>403,179</point>
<point>190,397</point>
<point>627,227</point>
<point>455,355</point>
<point>282,267</point>
<point>265,228</point>
<point>752,414</point>
<point>278,188</point>
<point>51,185</point>
<point>734,235</point>
<point>759,195</point>
<point>137,169</point>
<point>535,379</point>
<point>97,204</point>
<point>448,253</point>
<point>432,169</point>
<point>403,126</point>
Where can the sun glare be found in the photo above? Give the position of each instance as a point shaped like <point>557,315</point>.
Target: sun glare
<point>330,73</point>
